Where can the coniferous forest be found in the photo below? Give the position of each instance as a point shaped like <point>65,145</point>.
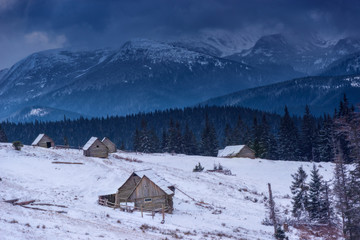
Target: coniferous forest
<point>204,130</point>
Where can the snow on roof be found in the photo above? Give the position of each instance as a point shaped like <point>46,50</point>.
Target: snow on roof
<point>89,143</point>
<point>105,138</point>
<point>230,151</point>
<point>38,138</point>
<point>159,181</point>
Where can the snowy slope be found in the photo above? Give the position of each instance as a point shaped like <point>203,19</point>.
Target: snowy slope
<point>234,206</point>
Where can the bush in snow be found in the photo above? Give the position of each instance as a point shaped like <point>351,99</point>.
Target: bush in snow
<point>17,145</point>
<point>198,168</point>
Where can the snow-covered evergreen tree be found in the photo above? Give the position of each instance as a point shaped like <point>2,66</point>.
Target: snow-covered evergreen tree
<point>316,191</point>
<point>299,189</point>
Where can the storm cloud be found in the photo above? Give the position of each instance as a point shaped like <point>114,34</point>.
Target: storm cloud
<point>33,25</point>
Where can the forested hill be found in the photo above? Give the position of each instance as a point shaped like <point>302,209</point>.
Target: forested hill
<point>121,130</point>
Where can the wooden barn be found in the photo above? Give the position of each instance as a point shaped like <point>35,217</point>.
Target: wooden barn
<point>109,144</point>
<point>147,191</point>
<point>241,151</point>
<point>43,141</point>
<point>95,148</point>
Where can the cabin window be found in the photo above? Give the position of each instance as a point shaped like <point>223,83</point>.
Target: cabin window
<point>147,200</point>
<point>97,146</point>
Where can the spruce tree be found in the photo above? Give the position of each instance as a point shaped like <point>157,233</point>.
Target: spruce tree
<point>288,138</point>
<point>255,142</point>
<point>267,141</point>
<point>316,190</point>
<point>228,135</point>
<point>3,137</point>
<point>136,141</point>
<point>209,143</point>
<point>164,142</point>
<point>190,142</point>
<point>307,137</point>
<point>240,133</point>
<point>172,137</point>
<point>145,138</point>
<point>324,141</point>
<point>179,142</point>
<point>299,189</point>
<point>326,214</point>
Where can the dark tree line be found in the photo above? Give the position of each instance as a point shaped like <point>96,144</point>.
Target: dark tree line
<point>203,130</point>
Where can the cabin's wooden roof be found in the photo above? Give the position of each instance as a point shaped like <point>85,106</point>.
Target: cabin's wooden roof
<point>38,139</point>
<point>156,179</point>
<point>89,143</point>
<point>230,151</point>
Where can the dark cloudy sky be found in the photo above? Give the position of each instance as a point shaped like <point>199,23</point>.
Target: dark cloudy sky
<point>33,25</point>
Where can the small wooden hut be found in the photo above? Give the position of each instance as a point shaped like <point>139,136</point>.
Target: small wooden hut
<point>240,151</point>
<point>147,191</point>
<point>95,148</point>
<point>42,140</point>
<point>109,144</point>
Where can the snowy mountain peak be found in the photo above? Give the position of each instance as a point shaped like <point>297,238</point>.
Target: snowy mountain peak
<point>347,46</point>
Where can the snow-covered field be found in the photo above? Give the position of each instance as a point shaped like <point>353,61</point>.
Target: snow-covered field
<point>234,205</point>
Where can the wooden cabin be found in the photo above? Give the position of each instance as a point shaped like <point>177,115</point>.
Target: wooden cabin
<point>95,148</point>
<point>147,191</point>
<point>236,151</point>
<point>109,144</point>
<point>43,141</point>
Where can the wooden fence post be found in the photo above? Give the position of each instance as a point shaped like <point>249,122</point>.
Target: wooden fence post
<point>141,210</point>
<point>163,214</point>
<point>272,208</point>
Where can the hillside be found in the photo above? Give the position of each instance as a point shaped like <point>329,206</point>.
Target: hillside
<point>322,94</point>
<point>233,205</point>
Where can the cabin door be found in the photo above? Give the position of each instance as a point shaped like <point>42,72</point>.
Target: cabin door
<point>48,144</point>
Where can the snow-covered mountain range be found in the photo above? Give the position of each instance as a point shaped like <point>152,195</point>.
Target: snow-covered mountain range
<point>145,75</point>
<point>309,57</point>
<point>142,75</point>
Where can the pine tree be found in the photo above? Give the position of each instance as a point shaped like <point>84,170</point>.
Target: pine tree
<point>240,133</point>
<point>164,142</point>
<point>342,190</point>
<point>172,137</point>
<point>316,190</point>
<point>136,141</point>
<point>324,141</point>
<point>267,140</point>
<point>209,143</point>
<point>3,137</point>
<point>228,135</point>
<point>288,138</point>
<point>190,143</point>
<point>307,136</point>
<point>179,146</point>
<point>255,142</point>
<point>299,189</point>
<point>326,210</point>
